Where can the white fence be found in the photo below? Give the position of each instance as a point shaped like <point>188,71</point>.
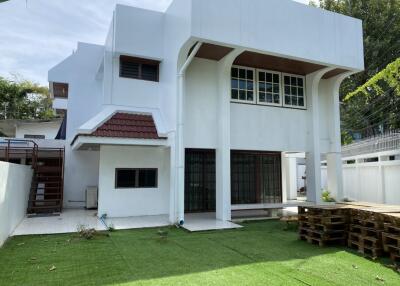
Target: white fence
<point>15,182</point>
<point>371,177</point>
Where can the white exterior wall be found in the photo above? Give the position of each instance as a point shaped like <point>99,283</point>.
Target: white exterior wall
<point>48,129</point>
<point>375,182</point>
<point>133,202</point>
<point>15,183</point>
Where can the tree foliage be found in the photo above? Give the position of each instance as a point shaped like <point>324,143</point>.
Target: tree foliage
<point>371,101</point>
<point>381,26</point>
<point>23,99</point>
<point>374,107</point>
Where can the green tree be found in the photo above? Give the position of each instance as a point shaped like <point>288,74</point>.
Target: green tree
<point>23,99</point>
<point>371,98</point>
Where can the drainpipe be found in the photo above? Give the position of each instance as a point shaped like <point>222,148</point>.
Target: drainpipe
<point>180,151</point>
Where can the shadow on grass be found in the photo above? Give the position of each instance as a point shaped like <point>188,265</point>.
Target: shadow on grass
<point>143,256</point>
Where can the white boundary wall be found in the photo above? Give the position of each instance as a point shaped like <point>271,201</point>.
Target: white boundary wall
<point>15,182</point>
<point>375,182</point>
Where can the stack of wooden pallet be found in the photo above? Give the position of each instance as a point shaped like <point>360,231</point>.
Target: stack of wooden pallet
<point>365,232</point>
<point>322,225</point>
<point>391,237</point>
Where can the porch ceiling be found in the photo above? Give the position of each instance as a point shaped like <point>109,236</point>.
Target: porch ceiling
<point>263,61</point>
<point>213,52</point>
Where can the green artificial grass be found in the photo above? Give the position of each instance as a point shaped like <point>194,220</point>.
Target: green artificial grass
<point>261,253</point>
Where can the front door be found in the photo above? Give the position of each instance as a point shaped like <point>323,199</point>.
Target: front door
<point>199,180</point>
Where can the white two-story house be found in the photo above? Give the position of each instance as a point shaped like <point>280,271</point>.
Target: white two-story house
<point>194,109</point>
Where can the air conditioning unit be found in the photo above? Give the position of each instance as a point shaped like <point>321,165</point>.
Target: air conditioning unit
<point>91,198</point>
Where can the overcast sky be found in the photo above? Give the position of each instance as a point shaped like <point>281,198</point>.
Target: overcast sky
<point>37,34</point>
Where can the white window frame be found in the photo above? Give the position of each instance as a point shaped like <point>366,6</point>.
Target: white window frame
<point>255,94</point>
<point>283,91</point>
<point>280,88</point>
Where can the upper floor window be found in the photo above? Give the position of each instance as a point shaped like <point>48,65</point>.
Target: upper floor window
<point>60,90</point>
<point>269,87</point>
<point>137,68</point>
<point>242,85</point>
<point>265,87</point>
<point>294,90</point>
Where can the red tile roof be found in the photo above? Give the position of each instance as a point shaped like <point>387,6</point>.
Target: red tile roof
<point>128,125</point>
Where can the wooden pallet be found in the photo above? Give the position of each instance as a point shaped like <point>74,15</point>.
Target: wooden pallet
<point>393,249</point>
<point>319,219</point>
<point>369,223</point>
<point>389,239</point>
<point>323,210</point>
<point>322,242</point>
<point>368,251</point>
<point>340,226</point>
<point>392,229</point>
<point>366,231</point>
<point>395,258</point>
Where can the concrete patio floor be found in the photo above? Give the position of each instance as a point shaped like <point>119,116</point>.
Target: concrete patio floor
<point>70,219</point>
<point>206,221</point>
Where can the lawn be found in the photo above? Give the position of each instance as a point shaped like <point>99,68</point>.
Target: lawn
<point>261,253</point>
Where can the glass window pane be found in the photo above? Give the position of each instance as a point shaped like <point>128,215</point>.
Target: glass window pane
<point>261,86</point>
<point>261,76</point>
<point>261,97</point>
<point>235,72</point>
<point>293,91</point>
<point>276,88</point>
<point>235,94</point>
<point>268,87</point>
<point>276,78</point>
<point>301,101</point>
<point>250,96</point>
<point>234,83</point>
<point>242,95</point>
<point>250,74</point>
<point>147,178</point>
<point>242,73</point>
<point>300,91</point>
<point>287,100</point>
<point>300,82</point>
<point>250,85</point>
<point>293,81</point>
<point>242,84</point>
<point>125,178</point>
<point>287,90</point>
<point>268,77</point>
<point>276,98</point>
<point>269,97</point>
<point>294,100</point>
<point>287,80</point>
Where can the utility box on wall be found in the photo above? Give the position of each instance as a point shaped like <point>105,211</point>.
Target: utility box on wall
<point>91,197</point>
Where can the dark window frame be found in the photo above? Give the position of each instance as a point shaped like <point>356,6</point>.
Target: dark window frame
<point>140,62</point>
<point>137,184</point>
<point>34,136</point>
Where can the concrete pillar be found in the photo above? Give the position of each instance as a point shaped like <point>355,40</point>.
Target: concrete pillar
<point>223,152</point>
<point>290,175</point>
<point>313,154</point>
<point>173,210</point>
<point>334,157</point>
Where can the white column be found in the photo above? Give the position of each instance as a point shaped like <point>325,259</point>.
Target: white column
<point>381,180</point>
<point>313,155</point>
<point>173,210</point>
<point>334,157</point>
<point>223,151</point>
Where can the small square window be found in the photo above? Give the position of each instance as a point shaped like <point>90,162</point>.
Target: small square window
<point>276,98</point>
<point>269,97</point>
<point>293,81</point>
<point>300,81</point>
<point>287,100</point>
<point>276,78</point>
<point>293,90</point>
<point>242,95</point>
<point>242,84</point>
<point>268,77</point>
<point>250,95</point>
<point>250,85</point>
<point>268,87</point>
<point>261,87</point>
<point>249,74</point>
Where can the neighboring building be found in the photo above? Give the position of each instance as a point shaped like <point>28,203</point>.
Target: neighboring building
<point>194,109</point>
<point>31,129</point>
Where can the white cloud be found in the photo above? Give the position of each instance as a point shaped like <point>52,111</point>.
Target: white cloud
<point>37,34</point>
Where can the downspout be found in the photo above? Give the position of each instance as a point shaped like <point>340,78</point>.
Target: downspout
<point>180,151</point>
